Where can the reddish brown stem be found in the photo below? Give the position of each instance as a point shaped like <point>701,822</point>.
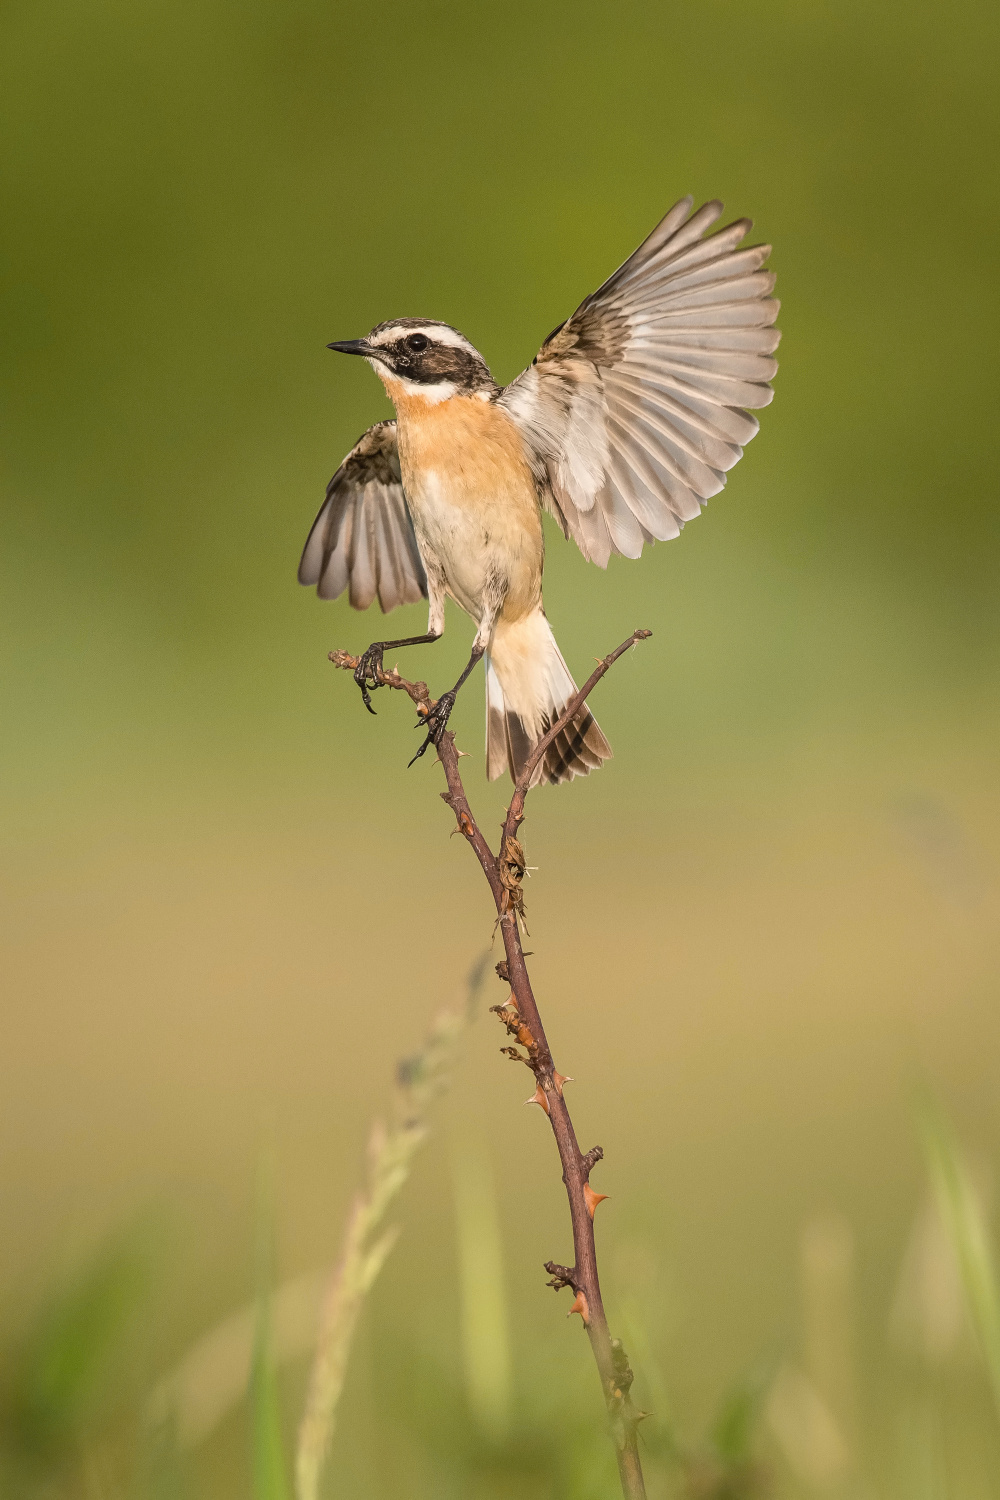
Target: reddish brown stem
<point>503,872</point>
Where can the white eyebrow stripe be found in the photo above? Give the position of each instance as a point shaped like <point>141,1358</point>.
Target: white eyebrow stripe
<point>437,333</point>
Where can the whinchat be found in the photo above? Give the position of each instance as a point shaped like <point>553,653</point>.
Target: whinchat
<point>622,426</point>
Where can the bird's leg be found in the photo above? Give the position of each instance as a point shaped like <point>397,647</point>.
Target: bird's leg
<point>437,718</point>
<point>366,673</point>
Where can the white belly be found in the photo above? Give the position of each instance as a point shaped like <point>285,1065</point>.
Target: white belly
<point>462,539</point>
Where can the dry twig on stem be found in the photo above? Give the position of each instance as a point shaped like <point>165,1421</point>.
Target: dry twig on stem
<point>504,872</point>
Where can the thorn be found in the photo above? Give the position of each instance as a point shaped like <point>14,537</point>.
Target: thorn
<point>463,754</point>
<point>640,1416</point>
<point>592,1199</point>
<point>581,1306</point>
<point>559,1079</point>
<point>538,1097</point>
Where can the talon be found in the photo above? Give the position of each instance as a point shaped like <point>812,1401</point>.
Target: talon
<point>435,721</point>
<point>367,673</point>
<point>427,742</point>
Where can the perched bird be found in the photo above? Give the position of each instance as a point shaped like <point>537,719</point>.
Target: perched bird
<point>623,425</point>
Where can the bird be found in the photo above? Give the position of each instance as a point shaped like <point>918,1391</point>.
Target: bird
<point>622,427</point>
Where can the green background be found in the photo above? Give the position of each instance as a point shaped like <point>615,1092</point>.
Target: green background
<point>229,907</point>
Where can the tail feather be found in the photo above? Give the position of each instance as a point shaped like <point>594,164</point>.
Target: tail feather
<point>527,688</point>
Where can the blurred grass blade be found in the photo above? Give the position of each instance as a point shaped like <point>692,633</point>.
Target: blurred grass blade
<point>270,1473</point>
<point>213,1376</point>
<point>64,1367</point>
<point>807,1431</point>
<point>640,1309</point>
<point>391,1149</point>
<point>826,1280</point>
<point>739,1417</point>
<point>166,1475</point>
<point>269,1465</point>
<point>961,1211</point>
<point>485,1331</point>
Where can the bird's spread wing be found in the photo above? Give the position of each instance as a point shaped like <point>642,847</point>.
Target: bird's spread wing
<point>362,540</point>
<point>631,412</point>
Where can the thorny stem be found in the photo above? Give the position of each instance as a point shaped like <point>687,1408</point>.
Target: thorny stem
<point>504,871</point>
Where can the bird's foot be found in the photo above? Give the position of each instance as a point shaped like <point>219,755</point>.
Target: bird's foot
<point>368,672</point>
<point>435,722</point>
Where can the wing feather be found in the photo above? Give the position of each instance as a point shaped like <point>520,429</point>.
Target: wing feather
<point>663,302</point>
<point>731,364</point>
<point>638,477</point>
<point>363,538</point>
<point>591,534</point>
<point>735,427</point>
<point>618,504</point>
<point>677,241</point>
<point>759,314</point>
<point>717,388</point>
<point>635,409</point>
<point>719,268</point>
<point>671,428</point>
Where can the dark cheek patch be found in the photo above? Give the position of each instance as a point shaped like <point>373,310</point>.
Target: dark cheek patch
<point>445,363</point>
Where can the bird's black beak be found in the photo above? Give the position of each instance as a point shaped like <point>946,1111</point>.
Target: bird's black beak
<point>353,346</point>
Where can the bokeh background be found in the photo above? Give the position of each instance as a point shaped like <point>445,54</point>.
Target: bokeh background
<point>229,908</point>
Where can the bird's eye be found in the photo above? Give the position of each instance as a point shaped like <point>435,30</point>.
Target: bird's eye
<point>417,342</point>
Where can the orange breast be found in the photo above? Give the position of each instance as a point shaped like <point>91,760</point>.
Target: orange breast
<point>471,493</point>
<point>471,444</point>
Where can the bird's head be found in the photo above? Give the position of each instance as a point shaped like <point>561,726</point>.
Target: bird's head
<point>419,359</point>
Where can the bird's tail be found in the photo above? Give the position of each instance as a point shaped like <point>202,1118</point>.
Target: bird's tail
<point>527,687</point>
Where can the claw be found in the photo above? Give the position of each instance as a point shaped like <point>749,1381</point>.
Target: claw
<point>367,672</point>
<point>435,722</point>
<point>423,748</point>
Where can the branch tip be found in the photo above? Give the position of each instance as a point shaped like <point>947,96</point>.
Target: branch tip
<point>562,1276</point>
<point>589,1162</point>
<point>515,811</point>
